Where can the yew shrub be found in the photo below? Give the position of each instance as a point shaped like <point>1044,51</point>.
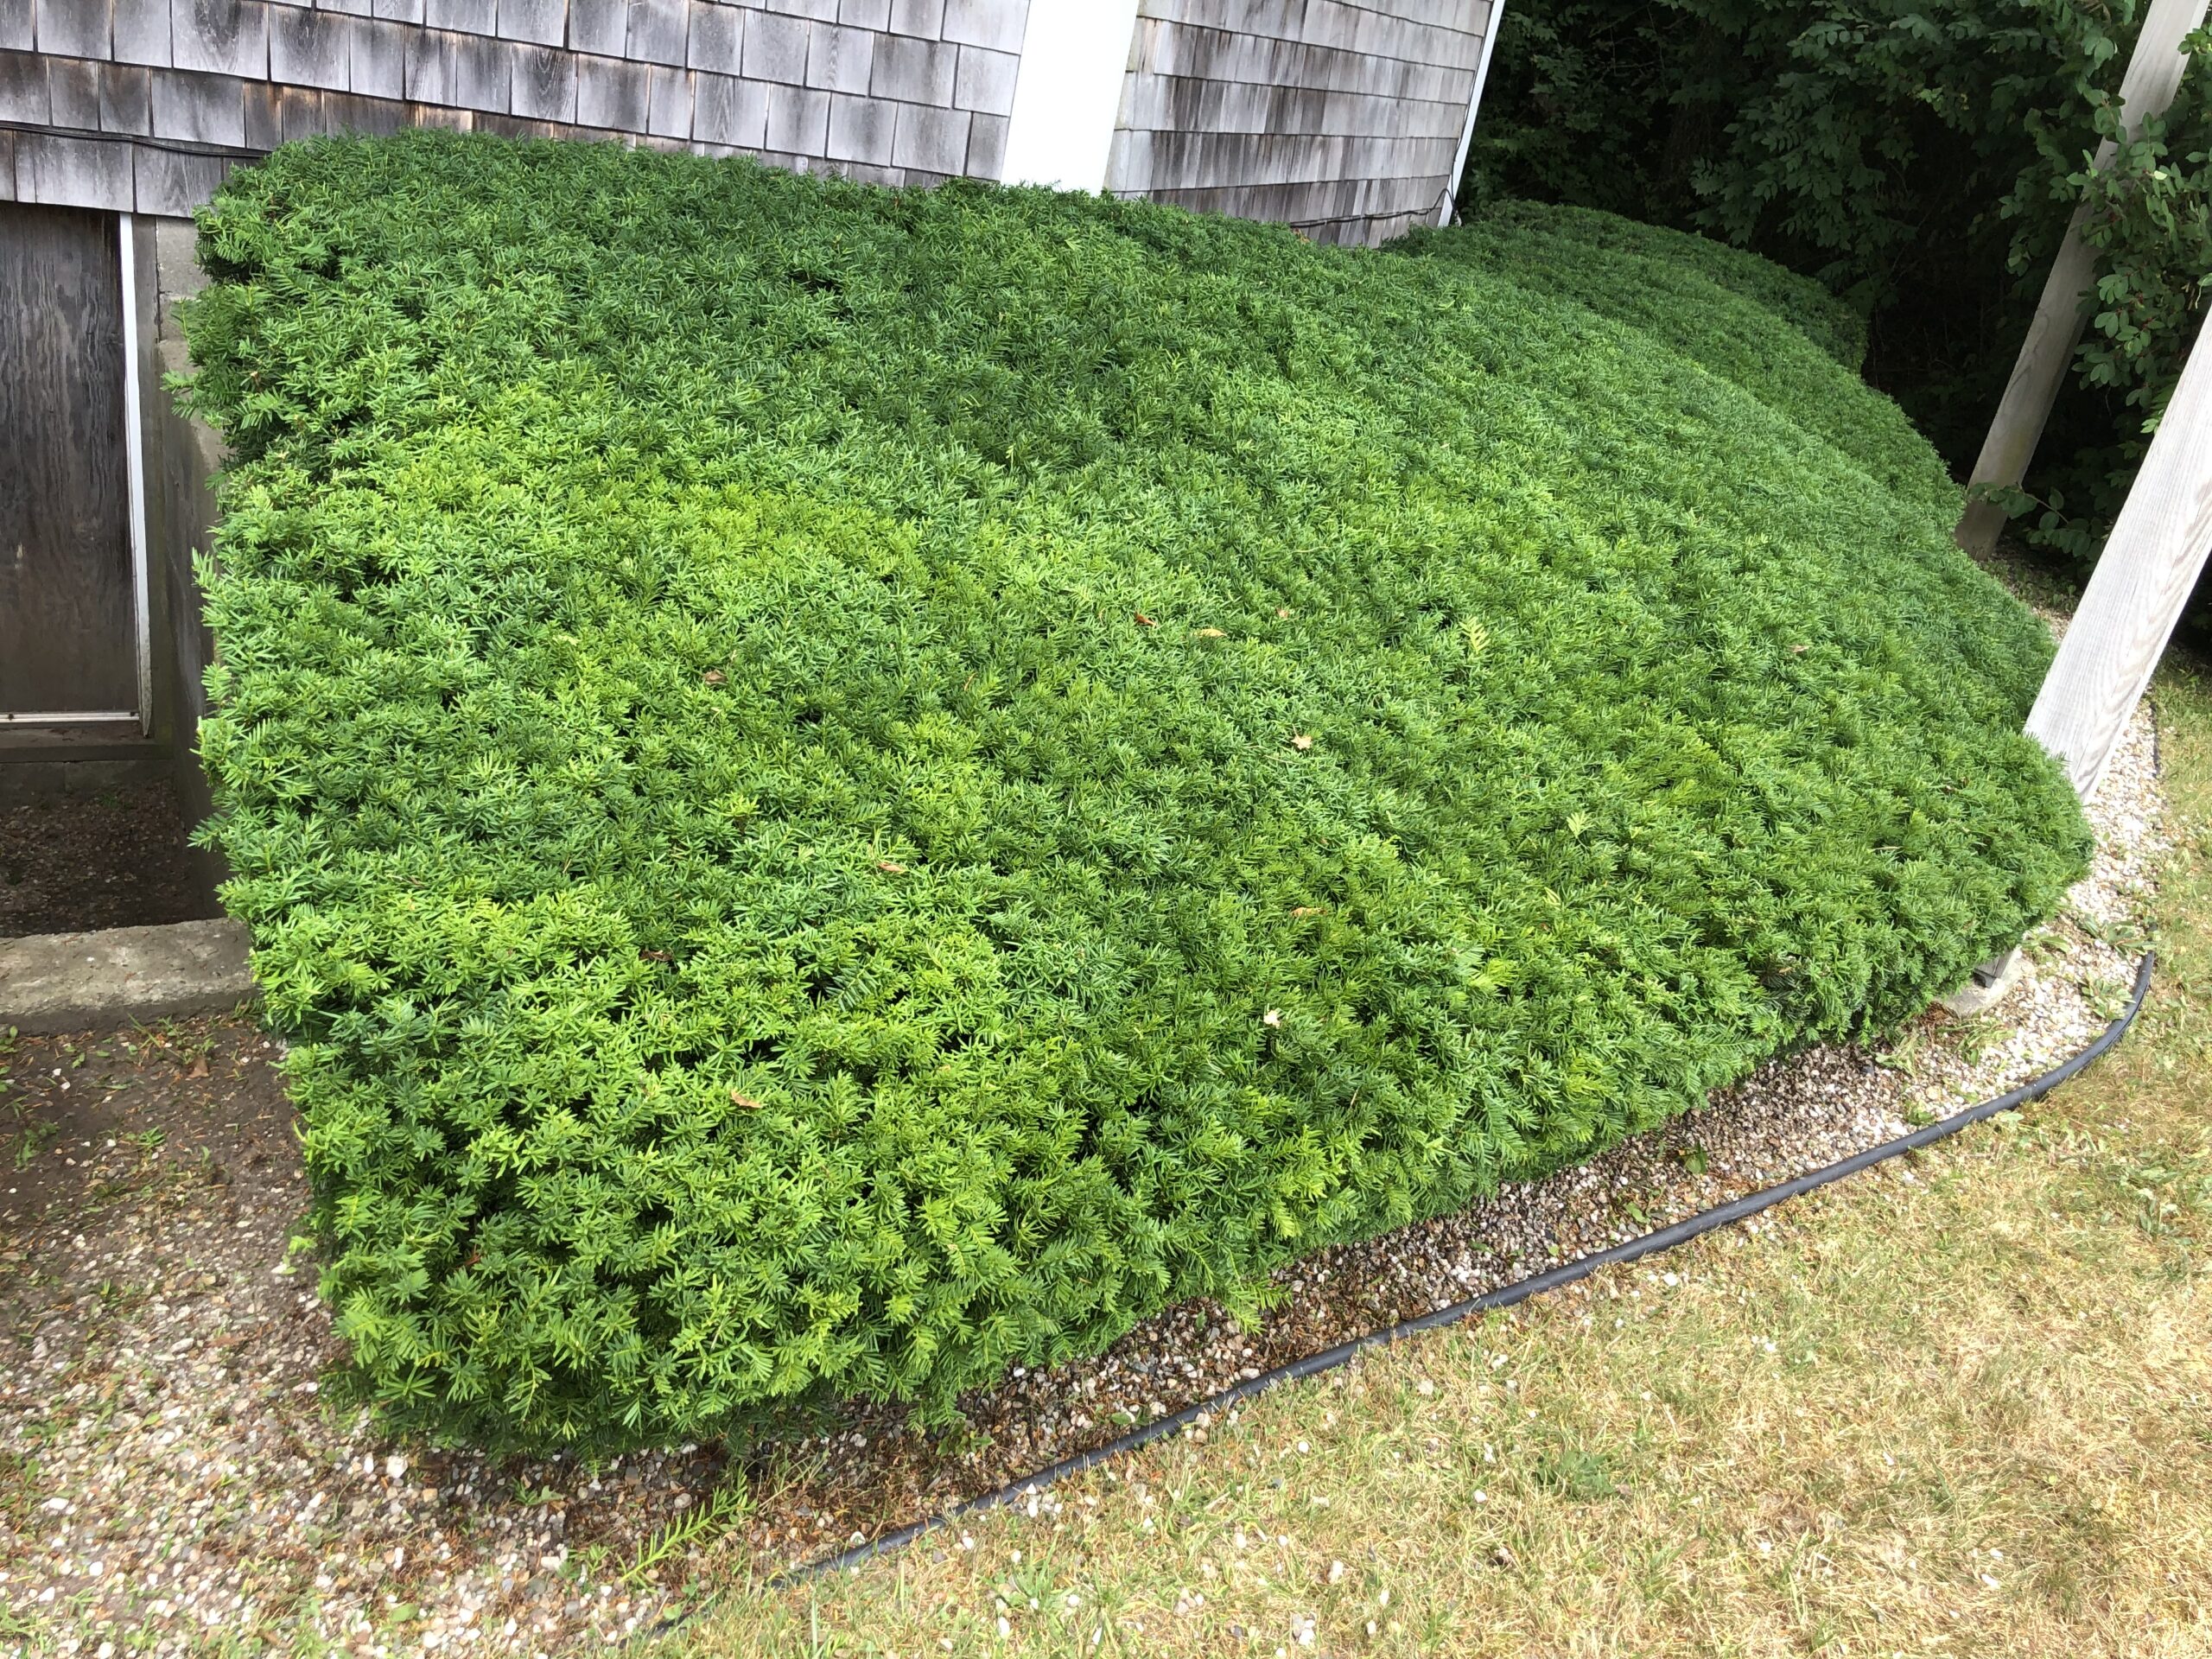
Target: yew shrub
<point>839,789</point>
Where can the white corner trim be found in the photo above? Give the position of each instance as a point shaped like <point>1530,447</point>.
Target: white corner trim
<point>1474,102</point>
<point>134,453</point>
<point>1067,94</point>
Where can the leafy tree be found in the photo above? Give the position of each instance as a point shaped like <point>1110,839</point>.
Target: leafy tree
<point>1921,157</point>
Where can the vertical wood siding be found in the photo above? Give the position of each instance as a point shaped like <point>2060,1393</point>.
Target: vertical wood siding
<point>67,640</point>
<point>1342,119</point>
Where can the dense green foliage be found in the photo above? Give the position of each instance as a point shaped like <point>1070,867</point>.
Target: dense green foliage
<point>1664,276</point>
<point>2149,215</point>
<point>1922,158</point>
<point>1717,307</point>
<point>841,789</point>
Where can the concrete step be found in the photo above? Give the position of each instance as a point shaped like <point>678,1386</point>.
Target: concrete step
<point>80,982</point>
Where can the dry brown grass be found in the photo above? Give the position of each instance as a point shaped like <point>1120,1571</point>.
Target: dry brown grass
<point>1959,1406</point>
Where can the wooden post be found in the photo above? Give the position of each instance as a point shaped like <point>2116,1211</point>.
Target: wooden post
<point>1474,104</point>
<point>2134,597</point>
<point>2128,612</point>
<point>2154,72</point>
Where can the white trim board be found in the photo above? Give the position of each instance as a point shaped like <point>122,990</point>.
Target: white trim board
<point>1067,94</point>
<point>1474,104</point>
<point>2149,567</point>
<point>134,453</point>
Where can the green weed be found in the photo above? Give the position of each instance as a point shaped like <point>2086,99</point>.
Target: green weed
<point>700,1524</point>
<point>37,1136</point>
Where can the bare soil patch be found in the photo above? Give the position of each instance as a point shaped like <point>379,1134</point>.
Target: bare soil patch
<point>117,859</point>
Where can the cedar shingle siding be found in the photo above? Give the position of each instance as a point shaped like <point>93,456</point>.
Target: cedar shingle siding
<point>143,104</point>
<point>1344,119</point>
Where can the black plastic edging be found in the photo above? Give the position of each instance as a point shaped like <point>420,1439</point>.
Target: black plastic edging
<point>1666,1238</point>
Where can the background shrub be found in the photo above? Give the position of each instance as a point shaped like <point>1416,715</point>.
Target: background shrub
<point>1921,158</point>
<point>840,789</point>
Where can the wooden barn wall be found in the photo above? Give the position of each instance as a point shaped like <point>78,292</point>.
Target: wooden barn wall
<point>143,104</point>
<point>1344,119</point>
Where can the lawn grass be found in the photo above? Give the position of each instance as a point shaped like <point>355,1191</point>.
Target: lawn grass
<point>1961,1405</point>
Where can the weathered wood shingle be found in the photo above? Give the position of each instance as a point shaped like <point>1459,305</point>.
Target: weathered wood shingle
<point>534,23</point>
<point>1338,115</point>
<point>659,31</point>
<point>728,113</point>
<point>73,92</point>
<point>716,41</point>
<point>984,80</point>
<point>309,48</point>
<point>22,89</point>
<point>840,60</point>
<point>929,139</point>
<point>543,84</point>
<point>377,58</point>
<point>75,28</point>
<point>126,100</point>
<point>799,122</point>
<point>1342,118</point>
<point>224,37</point>
<point>776,46</point>
<point>73,172</point>
<point>198,109</point>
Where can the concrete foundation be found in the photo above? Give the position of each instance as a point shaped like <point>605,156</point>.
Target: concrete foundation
<point>1990,984</point>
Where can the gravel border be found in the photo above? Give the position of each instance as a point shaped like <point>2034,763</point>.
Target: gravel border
<point>169,1470</point>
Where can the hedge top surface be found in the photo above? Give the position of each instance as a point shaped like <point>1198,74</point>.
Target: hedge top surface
<point>842,789</point>
<point>1716,305</point>
<point>1653,255</point>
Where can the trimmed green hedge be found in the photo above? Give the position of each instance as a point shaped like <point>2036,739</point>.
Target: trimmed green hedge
<point>1552,243</point>
<point>841,789</point>
<point>1716,306</point>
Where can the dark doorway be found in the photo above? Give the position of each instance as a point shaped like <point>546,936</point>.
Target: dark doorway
<point>68,616</point>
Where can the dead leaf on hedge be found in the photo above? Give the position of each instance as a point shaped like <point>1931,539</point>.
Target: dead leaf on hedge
<point>1301,742</point>
<point>1306,909</point>
<point>1144,621</point>
<point>713,677</point>
<point>890,868</point>
<point>655,956</point>
<point>1212,633</point>
<point>739,1097</point>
